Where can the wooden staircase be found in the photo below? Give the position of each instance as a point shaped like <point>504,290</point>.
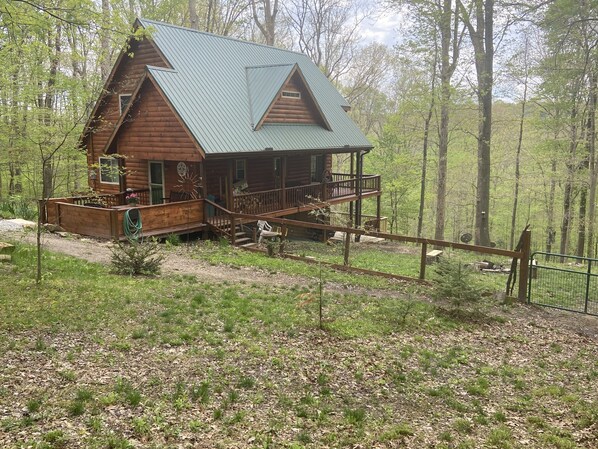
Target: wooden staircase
<point>220,222</point>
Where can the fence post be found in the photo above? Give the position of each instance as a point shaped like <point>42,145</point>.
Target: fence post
<point>524,265</point>
<point>422,262</point>
<point>347,246</point>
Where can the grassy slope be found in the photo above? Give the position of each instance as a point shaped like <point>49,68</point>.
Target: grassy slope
<point>90,359</point>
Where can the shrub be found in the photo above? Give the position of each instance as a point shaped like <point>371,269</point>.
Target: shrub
<point>137,258</point>
<point>18,207</point>
<point>455,282</point>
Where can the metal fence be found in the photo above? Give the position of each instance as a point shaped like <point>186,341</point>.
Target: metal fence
<point>564,282</point>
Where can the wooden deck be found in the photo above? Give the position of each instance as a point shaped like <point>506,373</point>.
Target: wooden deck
<point>103,215</point>
<point>107,222</point>
<point>280,202</point>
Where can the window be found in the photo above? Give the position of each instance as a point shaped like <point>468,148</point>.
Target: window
<point>240,169</point>
<point>124,101</point>
<point>109,170</point>
<point>291,94</point>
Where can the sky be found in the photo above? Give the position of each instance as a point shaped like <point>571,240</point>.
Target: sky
<point>382,29</point>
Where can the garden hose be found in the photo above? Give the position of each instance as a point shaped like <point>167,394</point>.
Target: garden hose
<point>132,224</point>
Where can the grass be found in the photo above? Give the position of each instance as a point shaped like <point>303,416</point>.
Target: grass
<point>170,360</point>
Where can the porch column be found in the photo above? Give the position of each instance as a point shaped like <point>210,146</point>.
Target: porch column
<point>204,181</point>
<point>283,183</point>
<point>229,186</point>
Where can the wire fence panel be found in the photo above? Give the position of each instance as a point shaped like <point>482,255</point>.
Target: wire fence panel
<point>564,282</point>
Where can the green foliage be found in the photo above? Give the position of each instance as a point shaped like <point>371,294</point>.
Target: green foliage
<point>137,258</point>
<point>18,207</point>
<point>454,282</point>
<point>173,240</point>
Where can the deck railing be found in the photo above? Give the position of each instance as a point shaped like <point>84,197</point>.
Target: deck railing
<point>112,199</point>
<point>302,195</point>
<point>271,200</point>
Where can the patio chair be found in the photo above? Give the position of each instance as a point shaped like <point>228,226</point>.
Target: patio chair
<point>265,230</point>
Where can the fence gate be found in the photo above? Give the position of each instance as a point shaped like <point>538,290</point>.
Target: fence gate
<point>564,282</point>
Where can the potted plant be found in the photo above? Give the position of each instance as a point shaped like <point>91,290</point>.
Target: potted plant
<point>132,199</point>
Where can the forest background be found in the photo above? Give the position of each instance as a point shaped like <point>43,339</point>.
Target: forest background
<point>482,114</point>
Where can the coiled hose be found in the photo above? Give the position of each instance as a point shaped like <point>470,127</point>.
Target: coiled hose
<point>132,225</point>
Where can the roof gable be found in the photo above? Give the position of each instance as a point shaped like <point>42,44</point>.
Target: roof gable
<point>263,85</point>
<point>219,100</point>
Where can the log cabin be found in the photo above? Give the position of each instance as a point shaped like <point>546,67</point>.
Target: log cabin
<point>196,127</point>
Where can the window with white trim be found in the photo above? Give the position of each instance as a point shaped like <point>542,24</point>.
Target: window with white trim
<point>109,170</point>
<point>291,94</point>
<point>240,169</point>
<point>123,101</point>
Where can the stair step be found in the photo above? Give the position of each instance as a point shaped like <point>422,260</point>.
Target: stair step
<point>248,245</point>
<point>242,241</point>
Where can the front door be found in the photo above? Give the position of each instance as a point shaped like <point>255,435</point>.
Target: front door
<point>156,182</point>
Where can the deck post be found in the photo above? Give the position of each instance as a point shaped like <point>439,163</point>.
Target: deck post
<point>347,247</point>
<point>378,199</point>
<point>422,262</point>
<point>524,265</point>
<point>233,230</point>
<point>283,184</point>
<point>204,181</point>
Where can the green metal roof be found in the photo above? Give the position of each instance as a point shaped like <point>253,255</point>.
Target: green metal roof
<point>221,87</point>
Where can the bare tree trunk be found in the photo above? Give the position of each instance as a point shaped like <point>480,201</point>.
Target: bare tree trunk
<point>266,24</point>
<point>105,64</point>
<point>482,40</point>
<point>591,139</point>
<point>518,154</point>
<point>422,190</point>
<point>581,228</point>
<point>550,232</point>
<point>449,36</point>
<point>193,17</point>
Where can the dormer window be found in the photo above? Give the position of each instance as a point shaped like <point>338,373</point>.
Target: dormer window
<point>124,101</point>
<point>291,94</point>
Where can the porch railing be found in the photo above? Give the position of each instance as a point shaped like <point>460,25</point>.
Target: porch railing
<point>112,199</point>
<point>270,200</point>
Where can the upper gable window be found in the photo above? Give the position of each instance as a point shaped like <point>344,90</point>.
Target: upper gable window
<point>291,94</point>
<point>124,101</point>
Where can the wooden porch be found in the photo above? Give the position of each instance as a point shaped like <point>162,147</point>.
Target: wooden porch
<point>103,215</point>
<point>285,201</point>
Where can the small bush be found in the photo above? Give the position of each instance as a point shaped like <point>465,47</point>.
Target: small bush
<point>18,207</point>
<point>137,258</point>
<point>173,240</point>
<point>455,282</point>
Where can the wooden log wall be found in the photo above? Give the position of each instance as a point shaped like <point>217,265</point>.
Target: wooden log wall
<point>124,81</point>
<point>153,132</point>
<point>294,110</point>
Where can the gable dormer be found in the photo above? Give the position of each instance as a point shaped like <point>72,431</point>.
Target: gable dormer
<point>280,95</point>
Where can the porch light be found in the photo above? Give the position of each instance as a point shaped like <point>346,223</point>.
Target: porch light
<point>93,175</point>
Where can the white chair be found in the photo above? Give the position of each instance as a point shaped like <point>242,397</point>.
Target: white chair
<point>265,230</point>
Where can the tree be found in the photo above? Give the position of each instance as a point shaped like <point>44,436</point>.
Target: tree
<point>327,31</point>
<point>479,20</point>
<point>266,21</point>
